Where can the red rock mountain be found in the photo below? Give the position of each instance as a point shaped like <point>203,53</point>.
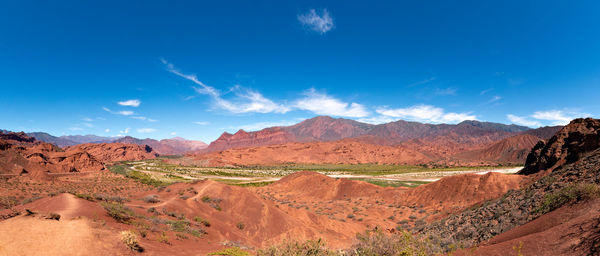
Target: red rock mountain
<point>112,152</point>
<point>174,146</point>
<point>324,128</point>
<point>23,155</point>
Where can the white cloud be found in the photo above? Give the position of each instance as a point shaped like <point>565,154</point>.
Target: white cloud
<point>143,118</point>
<point>87,119</point>
<point>319,23</point>
<point>446,91</point>
<point>173,133</point>
<point>126,131</point>
<point>494,99</point>
<point>106,130</point>
<point>428,80</point>
<point>381,119</point>
<point>88,125</point>
<point>262,125</point>
<point>130,103</point>
<point>76,129</point>
<point>246,101</point>
<point>558,117</point>
<point>323,104</point>
<point>202,123</point>
<point>426,113</point>
<point>146,130</point>
<point>523,121</point>
<point>123,112</point>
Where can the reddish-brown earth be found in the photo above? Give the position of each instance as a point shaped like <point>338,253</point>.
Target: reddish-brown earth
<point>336,152</point>
<point>491,213</point>
<point>113,152</point>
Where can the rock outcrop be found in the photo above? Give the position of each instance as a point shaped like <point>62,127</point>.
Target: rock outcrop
<point>114,152</point>
<point>23,155</point>
<point>567,146</point>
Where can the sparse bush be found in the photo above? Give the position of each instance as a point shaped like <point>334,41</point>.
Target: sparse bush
<point>403,243</point>
<point>163,238</point>
<point>214,202</point>
<point>204,222</point>
<point>118,212</point>
<point>240,225</point>
<point>151,199</point>
<point>86,197</point>
<point>568,194</point>
<point>130,240</point>
<point>184,226</point>
<point>53,216</point>
<point>311,247</point>
<point>233,251</point>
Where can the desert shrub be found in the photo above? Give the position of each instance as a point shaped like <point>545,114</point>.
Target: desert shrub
<point>163,238</point>
<point>118,212</point>
<point>569,194</point>
<point>233,251</point>
<point>213,202</point>
<point>204,222</point>
<point>310,247</point>
<point>53,216</point>
<point>151,199</point>
<point>130,240</point>
<point>86,197</point>
<point>374,243</point>
<point>185,227</point>
<point>29,200</point>
<point>240,225</point>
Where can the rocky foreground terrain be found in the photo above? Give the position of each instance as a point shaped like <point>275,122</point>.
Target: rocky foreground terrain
<point>550,208</point>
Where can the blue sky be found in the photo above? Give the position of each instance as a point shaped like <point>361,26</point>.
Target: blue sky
<point>194,69</point>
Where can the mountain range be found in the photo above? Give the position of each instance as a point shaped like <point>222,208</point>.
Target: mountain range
<point>465,143</point>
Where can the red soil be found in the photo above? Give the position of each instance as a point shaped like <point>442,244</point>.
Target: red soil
<point>337,152</point>
<point>568,230</point>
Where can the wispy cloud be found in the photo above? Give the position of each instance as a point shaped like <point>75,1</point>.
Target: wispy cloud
<point>320,23</point>
<point>246,101</point>
<point>76,129</point>
<point>494,99</point>
<point>143,118</point>
<point>146,130</point>
<point>87,119</point>
<point>523,121</point>
<point>380,119</point>
<point>126,131</point>
<point>558,117</point>
<point>202,123</point>
<point>262,125</point>
<point>486,91</point>
<point>446,91</point>
<point>130,103</point>
<point>548,117</point>
<point>322,104</point>
<point>107,130</point>
<point>426,113</point>
<point>122,112</point>
<point>426,81</point>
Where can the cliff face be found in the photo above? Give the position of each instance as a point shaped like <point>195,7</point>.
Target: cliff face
<point>23,155</point>
<point>240,139</point>
<point>567,146</point>
<point>113,152</point>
